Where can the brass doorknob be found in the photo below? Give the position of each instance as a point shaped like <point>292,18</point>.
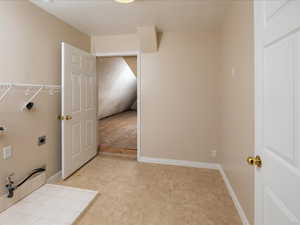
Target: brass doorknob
<point>68,117</point>
<point>255,161</point>
<point>60,117</point>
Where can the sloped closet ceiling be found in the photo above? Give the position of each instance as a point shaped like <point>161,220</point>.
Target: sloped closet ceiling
<point>117,86</point>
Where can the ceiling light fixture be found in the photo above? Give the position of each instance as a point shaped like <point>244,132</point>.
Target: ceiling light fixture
<point>125,1</point>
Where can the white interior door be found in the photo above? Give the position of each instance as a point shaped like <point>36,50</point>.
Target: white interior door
<point>79,113</point>
<point>278,111</point>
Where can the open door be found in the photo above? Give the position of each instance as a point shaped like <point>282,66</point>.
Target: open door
<point>79,109</point>
<point>277,27</point>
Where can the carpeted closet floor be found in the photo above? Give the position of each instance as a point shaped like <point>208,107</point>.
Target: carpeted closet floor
<point>118,132</point>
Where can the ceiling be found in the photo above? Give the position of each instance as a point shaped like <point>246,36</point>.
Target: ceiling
<point>106,17</point>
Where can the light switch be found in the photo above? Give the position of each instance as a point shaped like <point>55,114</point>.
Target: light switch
<point>7,152</point>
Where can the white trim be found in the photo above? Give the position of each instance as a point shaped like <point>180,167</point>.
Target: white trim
<point>62,97</point>
<point>139,106</point>
<point>139,93</point>
<point>133,53</point>
<point>258,7</point>
<point>174,162</point>
<point>234,197</point>
<point>55,178</point>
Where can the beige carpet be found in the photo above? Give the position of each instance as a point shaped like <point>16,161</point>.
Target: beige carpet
<point>118,131</point>
<point>132,193</point>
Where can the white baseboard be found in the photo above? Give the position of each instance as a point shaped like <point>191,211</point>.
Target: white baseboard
<point>55,178</point>
<point>174,162</point>
<point>235,200</point>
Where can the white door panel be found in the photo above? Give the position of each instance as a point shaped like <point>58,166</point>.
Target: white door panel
<point>272,7</point>
<point>79,142</point>
<point>276,213</point>
<point>89,133</point>
<point>278,111</point>
<point>278,98</point>
<point>76,93</point>
<point>283,22</point>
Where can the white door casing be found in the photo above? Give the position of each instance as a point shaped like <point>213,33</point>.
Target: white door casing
<point>277,59</point>
<point>79,93</point>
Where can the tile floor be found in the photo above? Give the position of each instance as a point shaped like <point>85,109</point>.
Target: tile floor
<point>49,205</point>
<point>132,193</point>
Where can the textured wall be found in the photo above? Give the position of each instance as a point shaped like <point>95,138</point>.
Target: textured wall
<point>117,85</point>
<point>30,53</point>
<point>236,100</point>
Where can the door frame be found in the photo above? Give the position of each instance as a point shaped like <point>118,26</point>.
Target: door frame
<point>139,91</point>
<point>258,7</point>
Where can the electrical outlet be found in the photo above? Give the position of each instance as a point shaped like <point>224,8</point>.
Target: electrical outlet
<point>213,153</point>
<point>7,152</point>
<point>42,140</point>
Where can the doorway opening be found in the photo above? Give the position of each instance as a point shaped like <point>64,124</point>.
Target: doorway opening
<point>118,105</point>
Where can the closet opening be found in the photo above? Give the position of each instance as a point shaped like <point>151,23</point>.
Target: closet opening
<point>118,108</point>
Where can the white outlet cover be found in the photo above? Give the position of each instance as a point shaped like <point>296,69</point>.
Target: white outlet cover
<point>7,152</point>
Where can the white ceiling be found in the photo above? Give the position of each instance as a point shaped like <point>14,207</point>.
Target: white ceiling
<point>106,17</point>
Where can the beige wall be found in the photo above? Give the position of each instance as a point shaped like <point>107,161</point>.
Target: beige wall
<point>147,39</point>
<point>108,44</point>
<point>179,98</point>
<point>30,52</point>
<point>237,102</point>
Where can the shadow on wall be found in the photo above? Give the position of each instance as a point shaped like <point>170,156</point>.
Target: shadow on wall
<point>117,85</point>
